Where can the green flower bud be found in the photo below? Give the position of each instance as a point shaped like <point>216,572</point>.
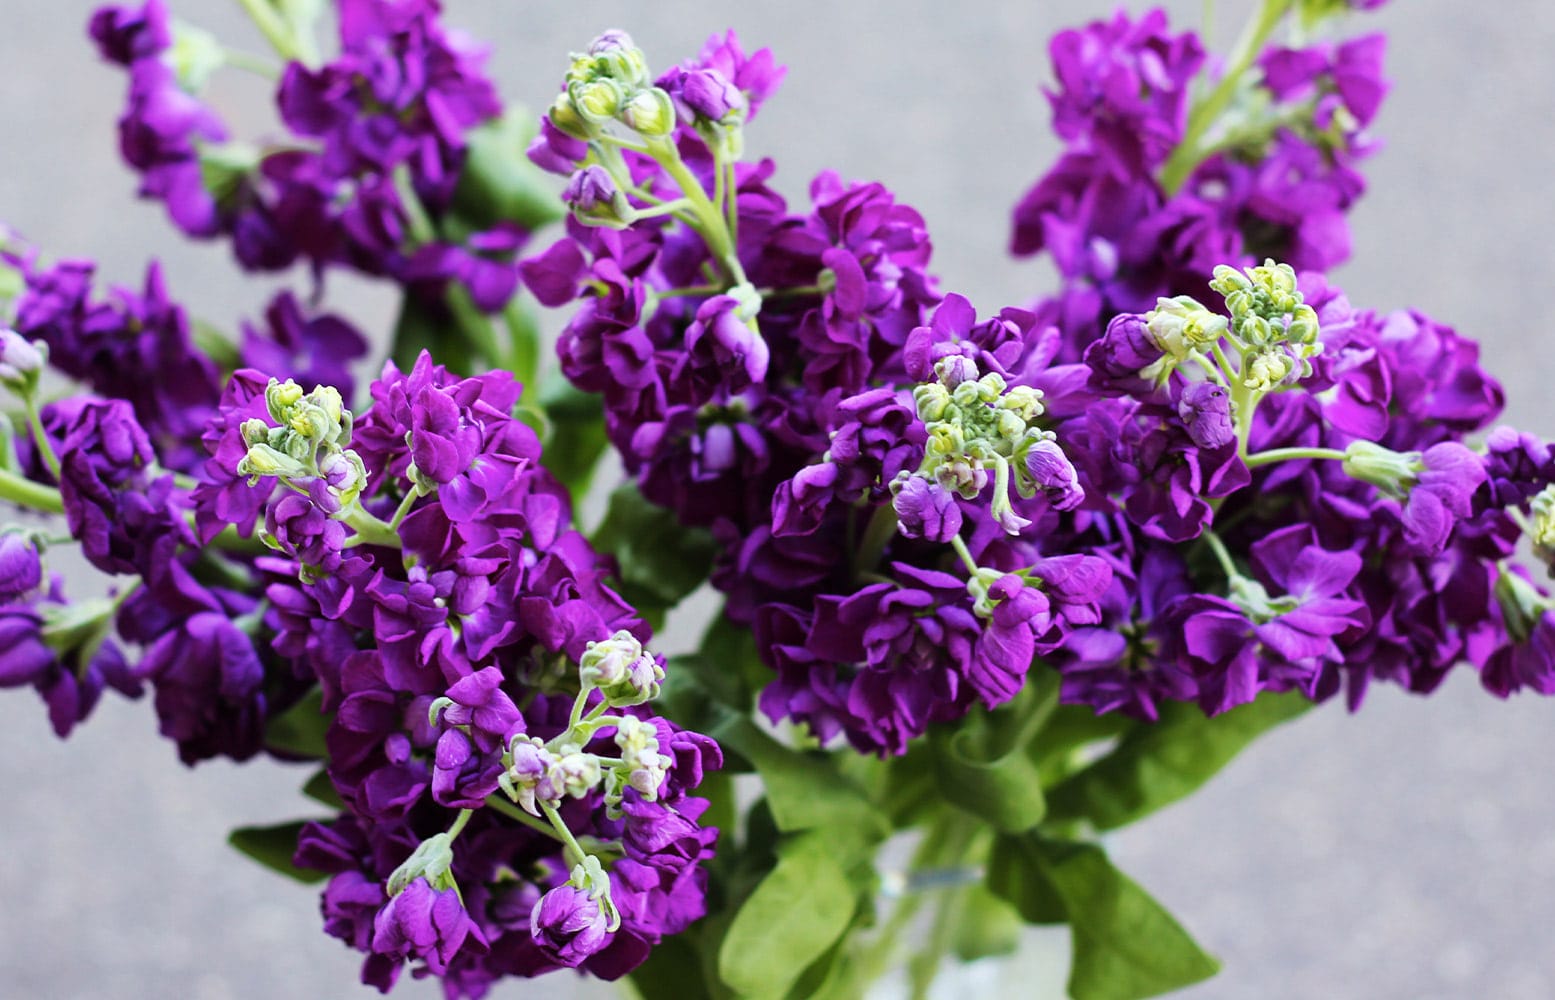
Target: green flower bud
<point>280,397</point>
<point>651,112</point>
<point>1181,325</point>
<point>568,120</point>
<point>1303,328</point>
<point>622,671</point>
<point>1543,526</point>
<point>432,860</point>
<point>597,101</point>
<point>255,431</point>
<point>1390,471</point>
<point>263,460</point>
<point>1521,605</point>
<point>1267,369</point>
<point>932,400</point>
<point>196,54</point>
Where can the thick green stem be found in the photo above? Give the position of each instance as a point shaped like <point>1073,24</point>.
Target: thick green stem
<point>1222,556</point>
<point>881,529</point>
<point>275,29</point>
<point>370,530</point>
<point>27,493</point>
<point>1190,152</point>
<point>578,853</point>
<point>1292,454</point>
<point>40,436</point>
<point>965,554</point>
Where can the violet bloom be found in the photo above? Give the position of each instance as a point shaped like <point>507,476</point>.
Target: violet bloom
<point>313,350</point>
<point>1442,494</point>
<point>703,94</point>
<point>1123,352</point>
<point>1517,466</point>
<point>723,349</point>
<point>1525,663</point>
<point>426,923</point>
<point>927,510</point>
<point>757,75</point>
<point>1316,605</point>
<point>209,685</point>
<point>21,568</point>
<point>1205,409</point>
<point>1053,475</point>
<point>569,925</point>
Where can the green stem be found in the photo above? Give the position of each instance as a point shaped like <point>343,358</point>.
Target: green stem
<point>251,63</point>
<point>275,29</point>
<point>578,853</point>
<point>27,493</point>
<point>1221,555</point>
<point>965,554</point>
<point>1292,454</point>
<point>369,529</point>
<point>512,811</point>
<point>39,435</point>
<point>404,509</point>
<point>711,223</point>
<point>881,529</point>
<point>459,822</point>
<point>478,330</point>
<point>1189,153</point>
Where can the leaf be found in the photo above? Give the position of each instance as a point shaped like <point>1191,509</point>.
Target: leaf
<point>1014,876</point>
<point>273,847</point>
<point>499,183</point>
<point>1156,764</point>
<point>981,765</point>
<point>988,925</point>
<point>802,907</point>
<point>804,789</point>
<point>661,562</point>
<point>429,326</point>
<point>673,971</point>
<point>300,729</point>
<point>321,789</point>
<point>576,437</point>
<point>1126,946</point>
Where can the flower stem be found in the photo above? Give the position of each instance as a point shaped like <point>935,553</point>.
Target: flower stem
<point>578,853</point>
<point>27,493</point>
<point>1291,455</point>
<point>1221,555</point>
<point>512,811</point>
<point>965,554</point>
<point>39,435</point>
<point>881,529</point>
<point>1190,152</point>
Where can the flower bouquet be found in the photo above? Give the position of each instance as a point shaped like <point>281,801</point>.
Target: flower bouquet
<point>965,589</point>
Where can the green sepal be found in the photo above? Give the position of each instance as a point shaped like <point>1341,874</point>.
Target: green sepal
<point>499,183</point>
<point>794,917</point>
<point>981,765</point>
<point>300,730</point>
<point>1155,764</point>
<point>660,561</point>
<point>273,847</point>
<point>1125,945</point>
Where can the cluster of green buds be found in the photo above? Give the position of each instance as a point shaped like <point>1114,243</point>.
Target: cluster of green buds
<point>538,774</point>
<point>1273,328</point>
<point>977,423</point>
<point>611,83</point>
<point>1541,529</point>
<point>310,441</point>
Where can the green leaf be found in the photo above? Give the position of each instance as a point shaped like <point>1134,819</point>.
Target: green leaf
<point>273,847</point>
<point>794,917</point>
<point>804,788</point>
<point>322,790</point>
<point>987,926</point>
<point>1015,876</point>
<point>1126,946</point>
<point>499,183</point>
<point>300,729</point>
<point>429,326</point>
<point>661,562</point>
<point>576,437</point>
<point>981,764</point>
<point>673,971</point>
<point>1156,764</point>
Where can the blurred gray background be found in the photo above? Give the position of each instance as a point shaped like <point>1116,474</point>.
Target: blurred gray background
<point>1408,851</point>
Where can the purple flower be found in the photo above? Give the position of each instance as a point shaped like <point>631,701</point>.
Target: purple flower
<point>1123,352</point>
<point>21,568</point>
<point>927,510</point>
<point>569,925</point>
<point>1053,475</point>
<point>1442,494</point>
<point>1517,466</point>
<point>1528,662</point>
<point>724,349</point>
<point>1205,409</point>
<point>426,923</point>
<point>209,682</point>
<point>312,350</point>
<point>757,76</point>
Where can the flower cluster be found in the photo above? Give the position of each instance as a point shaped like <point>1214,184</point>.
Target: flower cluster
<point>1148,197</point>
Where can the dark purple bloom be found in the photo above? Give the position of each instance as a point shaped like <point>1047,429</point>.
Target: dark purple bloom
<point>426,923</point>
<point>722,348</point>
<point>312,350</point>
<point>1053,476</point>
<point>1442,495</point>
<point>1205,409</point>
<point>927,510</point>
<point>569,925</point>
<point>21,568</point>
<point>757,76</point>
<point>209,682</point>
<point>1123,352</point>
